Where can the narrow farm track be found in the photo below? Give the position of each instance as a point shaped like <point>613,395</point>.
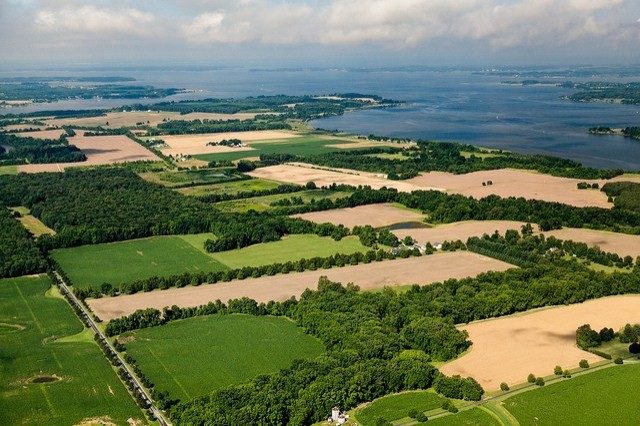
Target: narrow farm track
<point>162,420</point>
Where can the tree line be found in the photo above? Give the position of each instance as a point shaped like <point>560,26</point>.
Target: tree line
<point>23,150</point>
<point>19,255</point>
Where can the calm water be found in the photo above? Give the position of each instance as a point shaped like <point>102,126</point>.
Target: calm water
<point>452,106</point>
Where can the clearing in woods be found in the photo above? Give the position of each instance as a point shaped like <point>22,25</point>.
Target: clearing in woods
<point>49,382</point>
<point>507,349</point>
<point>419,270</point>
<point>195,356</point>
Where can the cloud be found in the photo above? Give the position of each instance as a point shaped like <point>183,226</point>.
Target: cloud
<point>406,23</point>
<point>88,20</point>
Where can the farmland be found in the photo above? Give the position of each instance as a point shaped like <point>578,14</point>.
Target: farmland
<point>126,261</point>
<point>292,247</point>
<point>396,407</point>
<point>230,188</point>
<point>507,349</point>
<point>100,150</point>
<point>296,145</point>
<point>83,383</point>
<point>195,356</point>
<point>115,263</point>
<point>265,202</point>
<point>457,230</point>
<point>623,244</point>
<point>422,270</point>
<point>376,215</point>
<point>597,398</point>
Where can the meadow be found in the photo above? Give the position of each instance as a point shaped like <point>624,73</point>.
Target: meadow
<point>396,407</point>
<point>264,202</point>
<point>471,417</point>
<point>230,188</point>
<point>42,339</point>
<point>115,263</point>
<point>598,398</point>
<point>192,177</point>
<point>303,145</point>
<point>31,223</point>
<point>195,356</point>
<point>291,247</point>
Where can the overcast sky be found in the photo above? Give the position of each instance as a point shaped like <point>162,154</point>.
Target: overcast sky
<point>364,33</point>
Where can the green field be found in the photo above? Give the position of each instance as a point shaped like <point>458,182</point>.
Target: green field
<point>31,318</point>
<point>471,417</point>
<point>127,261</point>
<point>115,263</point>
<point>230,187</point>
<point>303,145</point>
<point>607,396</point>
<point>263,203</point>
<point>290,248</point>
<point>197,355</point>
<point>172,178</point>
<point>32,223</point>
<point>8,170</point>
<point>395,407</point>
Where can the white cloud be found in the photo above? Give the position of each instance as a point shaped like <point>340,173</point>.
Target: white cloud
<point>87,20</point>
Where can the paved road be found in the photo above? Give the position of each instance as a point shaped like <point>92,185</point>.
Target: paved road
<point>85,314</point>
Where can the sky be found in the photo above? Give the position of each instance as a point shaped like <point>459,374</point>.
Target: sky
<point>350,33</point>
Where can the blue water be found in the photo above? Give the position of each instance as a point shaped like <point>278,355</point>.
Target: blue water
<point>453,106</point>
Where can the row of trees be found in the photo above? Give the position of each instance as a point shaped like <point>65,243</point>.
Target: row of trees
<point>179,127</point>
<point>197,278</point>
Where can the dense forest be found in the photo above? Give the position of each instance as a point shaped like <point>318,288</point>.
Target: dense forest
<point>23,150</point>
<point>626,195</point>
<point>178,127</point>
<point>18,253</point>
<point>446,157</point>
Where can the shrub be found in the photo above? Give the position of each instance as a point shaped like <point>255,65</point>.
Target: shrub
<point>558,371</point>
<point>634,348</point>
<point>381,421</point>
<point>600,353</point>
<point>448,405</point>
<point>584,363</point>
<point>504,387</point>
<point>567,374</point>
<point>421,417</point>
<point>539,381</point>
<point>618,360</point>
<point>413,413</point>
<point>531,378</point>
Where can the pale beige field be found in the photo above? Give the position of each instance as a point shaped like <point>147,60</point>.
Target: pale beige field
<point>99,150</point>
<point>302,173</point>
<point>420,270</point>
<point>43,134</point>
<point>197,143</point>
<point>458,230</point>
<point>375,215</point>
<point>130,119</point>
<point>508,349</point>
<point>516,183</point>
<point>614,242</point>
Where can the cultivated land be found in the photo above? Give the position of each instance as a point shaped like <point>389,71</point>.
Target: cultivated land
<point>99,150</point>
<point>622,244</point>
<point>458,230</point>
<point>43,134</point>
<point>117,119</point>
<point>302,173</point>
<point>599,398</point>
<point>195,356</point>
<point>472,417</point>
<point>40,340</point>
<point>192,144</point>
<point>418,270</point>
<point>507,349</point>
<point>376,215</point>
<point>115,263</point>
<point>515,183</point>
<point>289,248</point>
<point>230,187</point>
<point>396,407</point>
<point>264,203</point>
